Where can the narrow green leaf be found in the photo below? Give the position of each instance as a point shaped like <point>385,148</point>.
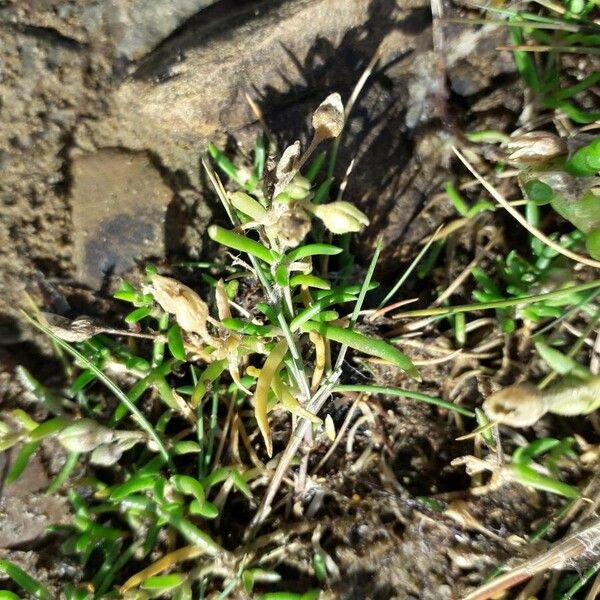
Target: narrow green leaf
<point>260,154</point>
<point>234,240</point>
<point>137,483</point>
<point>207,510</point>
<point>528,476</point>
<point>22,579</point>
<point>393,391</point>
<point>559,362</point>
<point>47,428</point>
<point>586,160</point>
<point>459,202</point>
<point>175,342</point>
<point>240,483</point>
<point>163,582</point>
<point>337,297</point>
<point>217,476</point>
<point>186,447</point>
<point>312,250</point>
<point>524,454</point>
<point>310,281</point>
<point>365,344</point>
<point>64,473</point>
<point>21,461</point>
<point>246,327</point>
<point>189,486</point>
<point>224,163</point>
<point>138,314</point>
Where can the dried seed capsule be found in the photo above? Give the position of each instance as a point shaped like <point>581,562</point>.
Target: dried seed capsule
<point>328,119</point>
<point>519,405</point>
<point>191,312</point>
<point>78,330</point>
<point>536,146</point>
<point>84,435</point>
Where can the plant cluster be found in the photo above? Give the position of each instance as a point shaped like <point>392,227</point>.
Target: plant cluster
<point>278,355</point>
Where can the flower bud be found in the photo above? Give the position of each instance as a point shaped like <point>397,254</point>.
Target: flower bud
<point>249,206</point>
<point>84,435</point>
<point>328,119</point>
<point>298,189</point>
<point>536,146</point>
<point>519,405</point>
<point>340,216</point>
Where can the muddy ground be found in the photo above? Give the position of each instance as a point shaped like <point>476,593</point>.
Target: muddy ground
<point>107,107</point>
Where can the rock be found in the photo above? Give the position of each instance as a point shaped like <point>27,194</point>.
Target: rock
<point>473,57</point>
<point>193,88</point>
<point>136,27</point>
<point>24,519</point>
<point>25,509</point>
<point>119,203</point>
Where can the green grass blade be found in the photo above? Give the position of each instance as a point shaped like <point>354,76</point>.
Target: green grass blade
<point>135,411</point>
<point>21,461</point>
<point>394,391</point>
<point>451,310</point>
<point>22,579</point>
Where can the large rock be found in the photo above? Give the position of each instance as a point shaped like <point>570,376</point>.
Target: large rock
<point>119,202</point>
<point>288,56</point>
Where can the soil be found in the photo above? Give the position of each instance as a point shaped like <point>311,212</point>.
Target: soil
<point>107,108</point>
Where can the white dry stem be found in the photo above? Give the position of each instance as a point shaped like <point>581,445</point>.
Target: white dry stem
<point>584,543</point>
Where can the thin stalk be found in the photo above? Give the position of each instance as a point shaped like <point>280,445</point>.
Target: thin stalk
<point>409,270</point>
<point>452,310</point>
<point>360,84</point>
<point>392,391</point>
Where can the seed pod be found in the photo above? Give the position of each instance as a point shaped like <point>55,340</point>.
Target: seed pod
<point>328,119</point>
<point>536,147</point>
<point>340,216</point>
<point>76,330</point>
<point>84,435</point>
<point>106,455</point>
<point>519,405</point>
